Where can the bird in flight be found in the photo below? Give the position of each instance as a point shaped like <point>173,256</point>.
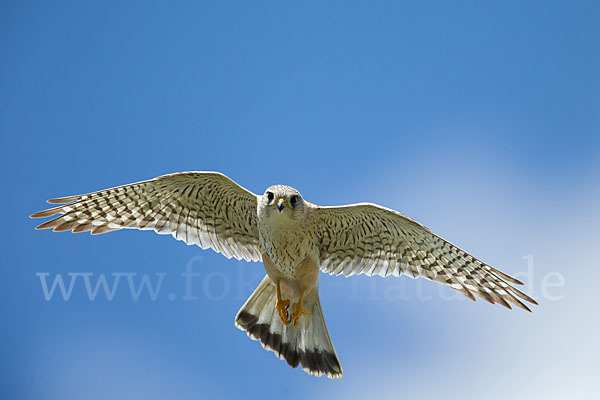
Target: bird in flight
<point>295,240</point>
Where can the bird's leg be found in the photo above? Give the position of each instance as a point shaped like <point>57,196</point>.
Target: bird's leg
<point>281,306</point>
<point>298,311</point>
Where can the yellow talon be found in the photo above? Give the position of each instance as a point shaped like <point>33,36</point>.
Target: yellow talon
<point>298,311</point>
<point>281,306</point>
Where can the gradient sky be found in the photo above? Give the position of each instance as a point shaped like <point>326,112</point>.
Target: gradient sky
<point>479,119</point>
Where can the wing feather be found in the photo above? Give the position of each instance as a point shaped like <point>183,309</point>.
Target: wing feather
<point>203,208</point>
<point>373,240</point>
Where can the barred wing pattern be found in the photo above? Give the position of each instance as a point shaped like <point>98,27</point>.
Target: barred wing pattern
<point>370,239</point>
<point>203,208</point>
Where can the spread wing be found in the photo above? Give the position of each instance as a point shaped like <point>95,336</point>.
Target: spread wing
<point>203,208</point>
<point>373,240</point>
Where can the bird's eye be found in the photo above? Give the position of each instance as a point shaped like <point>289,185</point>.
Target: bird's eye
<point>293,200</point>
<point>270,196</point>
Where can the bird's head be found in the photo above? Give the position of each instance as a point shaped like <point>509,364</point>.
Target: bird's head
<point>280,200</point>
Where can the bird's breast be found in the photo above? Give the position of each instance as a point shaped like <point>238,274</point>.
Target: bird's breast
<point>288,247</point>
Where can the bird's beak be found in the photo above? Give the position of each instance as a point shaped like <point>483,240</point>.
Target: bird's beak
<point>281,205</point>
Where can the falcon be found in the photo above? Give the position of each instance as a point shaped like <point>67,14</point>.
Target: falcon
<point>295,240</point>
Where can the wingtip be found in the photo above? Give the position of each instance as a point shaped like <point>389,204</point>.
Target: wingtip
<point>533,301</point>
<point>47,213</point>
<point>39,214</point>
<point>43,226</point>
<point>63,200</point>
<point>506,277</point>
<point>516,281</point>
<point>520,304</point>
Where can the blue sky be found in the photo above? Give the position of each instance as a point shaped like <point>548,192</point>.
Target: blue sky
<point>479,119</point>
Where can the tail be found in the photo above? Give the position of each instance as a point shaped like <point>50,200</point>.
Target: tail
<point>308,345</point>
